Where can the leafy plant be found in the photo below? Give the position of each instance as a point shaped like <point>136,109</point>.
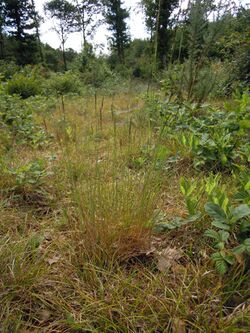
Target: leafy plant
<point>191,195</point>
<point>176,223</point>
<point>8,69</point>
<point>155,155</point>
<point>243,247</point>
<point>227,220</point>
<point>214,152</point>
<point>23,86</point>
<point>161,154</point>
<point>241,104</point>
<point>26,177</point>
<point>190,140</point>
<point>17,118</point>
<point>212,184</point>
<point>226,217</point>
<point>243,193</point>
<point>63,84</point>
<point>222,260</point>
<point>32,173</point>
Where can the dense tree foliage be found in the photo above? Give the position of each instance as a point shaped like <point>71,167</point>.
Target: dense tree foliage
<point>116,17</point>
<point>37,20</point>
<point>158,22</point>
<point>19,23</point>
<point>163,32</point>
<point>234,43</point>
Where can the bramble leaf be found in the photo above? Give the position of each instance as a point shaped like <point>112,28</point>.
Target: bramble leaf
<point>220,264</point>
<point>212,234</point>
<point>216,212</point>
<point>241,211</point>
<point>221,225</point>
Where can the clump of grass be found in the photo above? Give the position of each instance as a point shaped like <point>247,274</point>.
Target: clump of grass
<point>113,217</point>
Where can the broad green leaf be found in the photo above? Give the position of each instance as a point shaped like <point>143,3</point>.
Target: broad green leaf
<point>241,211</point>
<point>177,223</point>
<point>186,187</point>
<point>245,226</point>
<point>223,159</point>
<point>239,249</point>
<point>220,245</point>
<point>183,186</point>
<point>247,186</point>
<point>224,235</point>
<point>191,206</point>
<point>230,259</point>
<point>216,212</point>
<point>221,225</point>
<point>247,244</point>
<point>184,140</point>
<point>225,204</point>
<point>242,196</point>
<point>221,267</point>
<point>212,234</point>
<point>220,263</point>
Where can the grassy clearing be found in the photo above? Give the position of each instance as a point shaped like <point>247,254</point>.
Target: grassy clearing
<point>78,248</point>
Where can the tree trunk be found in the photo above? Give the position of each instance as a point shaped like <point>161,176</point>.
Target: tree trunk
<point>157,36</point>
<point>63,49</point>
<point>64,56</point>
<point>83,30</point>
<point>1,46</point>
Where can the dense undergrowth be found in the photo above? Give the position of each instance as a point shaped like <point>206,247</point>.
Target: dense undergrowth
<point>122,211</point>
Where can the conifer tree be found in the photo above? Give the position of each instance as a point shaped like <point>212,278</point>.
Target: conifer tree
<point>20,24</point>
<point>158,21</point>
<point>37,20</point>
<point>116,16</point>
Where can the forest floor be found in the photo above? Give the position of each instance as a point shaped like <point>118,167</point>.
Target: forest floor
<point>78,252</point>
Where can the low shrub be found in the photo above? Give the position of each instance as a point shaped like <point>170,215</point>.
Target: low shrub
<point>17,121</point>
<point>24,86</point>
<point>63,84</point>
